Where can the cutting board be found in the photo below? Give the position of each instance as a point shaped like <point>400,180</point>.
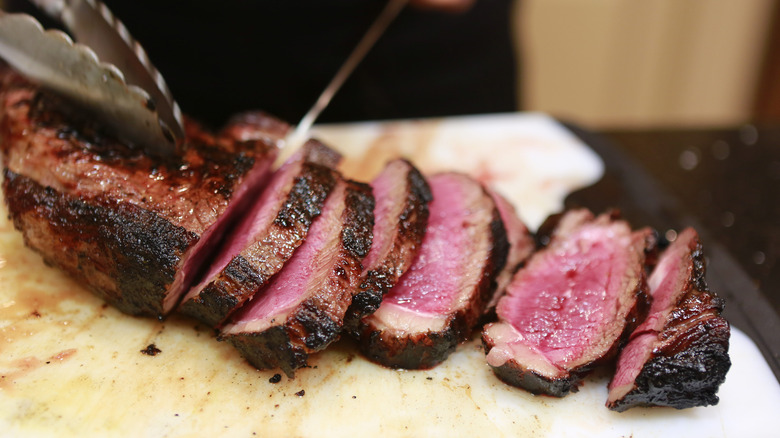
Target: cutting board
<point>72,366</point>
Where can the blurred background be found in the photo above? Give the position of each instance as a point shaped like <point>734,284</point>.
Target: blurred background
<point>630,64</point>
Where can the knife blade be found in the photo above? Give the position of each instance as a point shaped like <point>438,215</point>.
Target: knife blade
<point>300,134</point>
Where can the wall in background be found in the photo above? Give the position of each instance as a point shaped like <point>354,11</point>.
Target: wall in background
<point>621,63</point>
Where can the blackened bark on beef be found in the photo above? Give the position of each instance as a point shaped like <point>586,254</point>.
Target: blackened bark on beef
<point>400,218</point>
<point>679,356</point>
<point>105,246</point>
<point>267,236</point>
<point>301,311</point>
<point>137,227</point>
<point>571,307</point>
<point>438,301</point>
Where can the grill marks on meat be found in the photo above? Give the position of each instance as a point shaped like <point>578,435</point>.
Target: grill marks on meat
<point>301,310</point>
<point>400,218</point>
<point>131,228</point>
<point>678,356</point>
<point>269,232</point>
<point>571,306</point>
<point>437,302</point>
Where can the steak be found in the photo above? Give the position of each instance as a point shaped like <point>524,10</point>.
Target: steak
<point>521,245</point>
<point>438,301</point>
<point>678,356</point>
<point>571,306</point>
<point>265,238</point>
<point>400,218</point>
<point>132,228</point>
<point>301,310</point>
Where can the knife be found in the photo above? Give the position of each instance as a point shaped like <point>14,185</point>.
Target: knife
<point>107,73</point>
<point>300,134</point>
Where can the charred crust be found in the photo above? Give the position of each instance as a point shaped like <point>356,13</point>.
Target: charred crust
<point>357,234</point>
<point>317,327</point>
<point>690,358</point>
<point>307,196</point>
<point>249,271</point>
<point>498,255</point>
<point>411,230</point>
<point>417,351</point>
<point>136,248</point>
<point>368,297</point>
<point>513,374</point>
<point>425,350</point>
<point>237,282</point>
<point>255,348</point>
<point>685,378</point>
<point>318,320</point>
<point>545,231</point>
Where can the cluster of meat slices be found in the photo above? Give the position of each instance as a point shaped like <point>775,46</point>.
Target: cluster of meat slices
<point>284,262</point>
<point>281,262</point>
<point>584,300</point>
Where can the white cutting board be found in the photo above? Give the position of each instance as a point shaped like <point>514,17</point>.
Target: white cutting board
<point>71,366</point>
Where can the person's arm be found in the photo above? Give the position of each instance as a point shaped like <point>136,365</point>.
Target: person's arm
<point>444,5</point>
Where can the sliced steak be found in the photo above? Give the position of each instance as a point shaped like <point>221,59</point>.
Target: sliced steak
<point>400,218</point>
<point>301,311</point>
<point>132,228</point>
<point>521,245</point>
<point>271,229</point>
<point>678,356</point>
<point>571,306</point>
<point>437,302</point>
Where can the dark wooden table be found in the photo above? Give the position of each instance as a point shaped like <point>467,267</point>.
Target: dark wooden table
<point>730,180</point>
<point>725,183</point>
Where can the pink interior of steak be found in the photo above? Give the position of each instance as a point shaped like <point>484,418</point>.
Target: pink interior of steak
<point>256,218</point>
<point>666,287</point>
<point>254,182</point>
<point>510,345</point>
<point>432,282</point>
<point>517,234</point>
<point>308,266</point>
<point>521,244</point>
<point>630,362</point>
<point>388,187</point>
<point>563,304</point>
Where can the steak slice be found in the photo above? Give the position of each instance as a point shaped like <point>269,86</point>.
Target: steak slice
<point>571,306</point>
<point>132,228</point>
<point>301,311</point>
<point>678,356</point>
<point>521,246</point>
<point>438,301</point>
<point>264,239</point>
<point>400,218</point>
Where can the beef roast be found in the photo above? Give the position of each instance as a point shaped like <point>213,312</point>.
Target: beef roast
<point>301,310</point>
<point>437,302</point>
<point>400,218</point>
<point>270,231</point>
<point>571,306</point>
<point>678,356</point>
<point>130,227</point>
<point>521,245</point>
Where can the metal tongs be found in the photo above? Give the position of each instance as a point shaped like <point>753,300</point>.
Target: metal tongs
<point>106,72</point>
<point>109,73</point>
